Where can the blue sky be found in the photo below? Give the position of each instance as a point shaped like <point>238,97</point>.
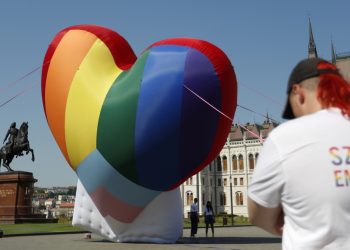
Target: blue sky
<point>263,39</point>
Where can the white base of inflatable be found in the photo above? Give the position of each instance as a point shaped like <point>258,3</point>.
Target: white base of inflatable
<point>160,222</point>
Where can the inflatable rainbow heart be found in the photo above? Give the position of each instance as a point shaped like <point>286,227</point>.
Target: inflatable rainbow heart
<point>133,128</point>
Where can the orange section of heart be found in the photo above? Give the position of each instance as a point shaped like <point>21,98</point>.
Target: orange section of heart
<point>81,72</point>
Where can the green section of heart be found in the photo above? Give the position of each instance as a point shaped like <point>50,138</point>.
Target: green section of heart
<point>116,128</point>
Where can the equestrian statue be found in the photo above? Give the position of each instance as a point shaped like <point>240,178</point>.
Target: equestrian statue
<point>16,144</point>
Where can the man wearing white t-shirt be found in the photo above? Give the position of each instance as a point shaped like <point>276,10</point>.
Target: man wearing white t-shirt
<point>301,185</point>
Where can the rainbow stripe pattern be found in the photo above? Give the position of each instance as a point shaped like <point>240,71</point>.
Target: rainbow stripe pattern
<point>128,126</point>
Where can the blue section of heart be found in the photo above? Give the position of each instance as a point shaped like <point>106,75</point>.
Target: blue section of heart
<point>174,129</point>
<point>96,172</point>
<point>157,133</point>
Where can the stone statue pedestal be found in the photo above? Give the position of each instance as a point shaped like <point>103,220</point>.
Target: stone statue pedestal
<point>16,191</point>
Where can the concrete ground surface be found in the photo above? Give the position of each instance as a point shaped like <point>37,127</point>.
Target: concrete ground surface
<point>233,238</point>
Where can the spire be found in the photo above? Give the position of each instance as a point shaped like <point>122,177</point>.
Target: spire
<point>334,55</point>
<point>267,118</point>
<point>312,45</point>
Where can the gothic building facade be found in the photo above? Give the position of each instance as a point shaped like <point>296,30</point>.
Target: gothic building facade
<point>341,60</point>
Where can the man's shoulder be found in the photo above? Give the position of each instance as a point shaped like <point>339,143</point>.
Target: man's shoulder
<point>289,126</point>
<point>309,124</point>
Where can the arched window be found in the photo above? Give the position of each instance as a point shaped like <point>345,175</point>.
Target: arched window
<point>222,199</point>
<point>256,157</point>
<point>189,198</point>
<point>218,163</point>
<point>239,198</point>
<point>234,163</point>
<point>224,161</point>
<point>241,165</point>
<point>251,161</point>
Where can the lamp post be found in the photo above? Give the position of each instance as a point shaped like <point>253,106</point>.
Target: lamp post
<point>197,190</point>
<point>215,190</point>
<point>230,167</point>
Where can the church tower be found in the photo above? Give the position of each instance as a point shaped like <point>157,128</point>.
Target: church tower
<point>334,54</point>
<point>312,45</point>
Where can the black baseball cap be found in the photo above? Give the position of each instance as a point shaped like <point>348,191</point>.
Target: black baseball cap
<point>305,69</point>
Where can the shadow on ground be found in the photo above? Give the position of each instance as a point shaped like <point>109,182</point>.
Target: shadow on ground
<point>229,240</point>
<point>213,240</point>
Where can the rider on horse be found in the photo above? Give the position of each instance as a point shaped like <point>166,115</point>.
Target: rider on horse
<point>12,132</point>
<point>17,144</point>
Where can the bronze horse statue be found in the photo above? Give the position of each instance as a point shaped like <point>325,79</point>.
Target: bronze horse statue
<point>21,143</point>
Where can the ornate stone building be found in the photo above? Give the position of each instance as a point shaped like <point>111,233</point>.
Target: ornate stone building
<point>225,181</point>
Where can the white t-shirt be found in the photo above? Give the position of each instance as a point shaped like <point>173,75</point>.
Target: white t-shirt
<point>305,166</point>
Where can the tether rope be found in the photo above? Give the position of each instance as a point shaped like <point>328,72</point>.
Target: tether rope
<point>6,87</point>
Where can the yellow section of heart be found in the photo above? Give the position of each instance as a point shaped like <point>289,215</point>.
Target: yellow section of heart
<point>87,93</point>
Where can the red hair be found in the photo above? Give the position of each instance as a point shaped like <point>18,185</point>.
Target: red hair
<point>333,90</point>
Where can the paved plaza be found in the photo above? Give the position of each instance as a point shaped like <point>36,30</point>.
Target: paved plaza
<point>233,238</point>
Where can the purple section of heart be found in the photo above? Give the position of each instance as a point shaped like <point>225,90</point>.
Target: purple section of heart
<point>199,122</point>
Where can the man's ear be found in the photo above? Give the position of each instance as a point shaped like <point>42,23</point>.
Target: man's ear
<point>298,90</point>
<point>301,97</point>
